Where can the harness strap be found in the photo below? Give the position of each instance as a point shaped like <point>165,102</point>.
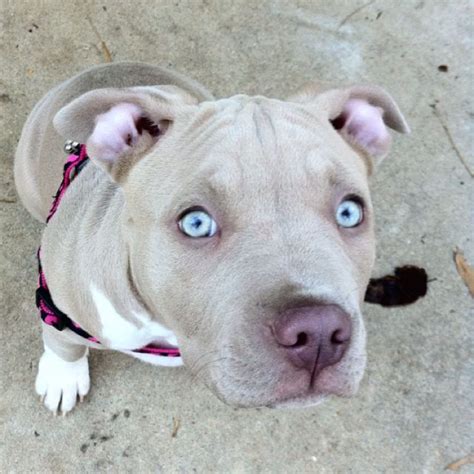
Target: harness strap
<point>49,312</point>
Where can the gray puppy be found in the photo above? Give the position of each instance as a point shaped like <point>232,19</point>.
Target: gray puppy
<point>238,230</point>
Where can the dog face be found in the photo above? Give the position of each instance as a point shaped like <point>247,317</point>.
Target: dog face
<point>250,229</point>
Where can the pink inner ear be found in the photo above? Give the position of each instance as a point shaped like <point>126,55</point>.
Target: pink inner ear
<point>364,123</point>
<point>114,132</point>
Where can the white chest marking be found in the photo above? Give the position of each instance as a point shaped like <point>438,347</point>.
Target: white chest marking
<point>125,336</point>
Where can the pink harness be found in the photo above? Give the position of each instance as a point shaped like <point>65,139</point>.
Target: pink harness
<point>49,312</point>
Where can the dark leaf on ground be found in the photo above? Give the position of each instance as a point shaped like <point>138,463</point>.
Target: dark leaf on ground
<point>405,286</point>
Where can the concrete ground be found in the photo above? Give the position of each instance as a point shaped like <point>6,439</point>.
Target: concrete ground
<point>414,410</point>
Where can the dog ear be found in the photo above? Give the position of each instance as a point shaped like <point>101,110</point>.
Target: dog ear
<point>118,126</point>
<point>360,114</point>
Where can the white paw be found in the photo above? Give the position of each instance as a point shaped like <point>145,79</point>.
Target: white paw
<point>59,382</point>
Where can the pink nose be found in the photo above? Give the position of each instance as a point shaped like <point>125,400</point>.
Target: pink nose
<point>313,337</point>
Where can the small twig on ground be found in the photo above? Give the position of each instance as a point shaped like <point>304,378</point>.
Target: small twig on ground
<point>453,144</point>
<point>105,49</point>
<point>176,425</point>
<point>456,465</point>
<point>466,272</point>
<point>357,10</point>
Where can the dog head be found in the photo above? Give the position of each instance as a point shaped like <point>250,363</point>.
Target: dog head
<point>249,227</point>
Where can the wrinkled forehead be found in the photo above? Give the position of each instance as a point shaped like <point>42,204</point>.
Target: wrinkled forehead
<point>244,140</point>
<point>257,148</point>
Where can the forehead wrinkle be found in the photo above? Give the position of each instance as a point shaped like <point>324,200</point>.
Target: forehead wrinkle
<point>302,118</point>
<point>220,176</point>
<point>277,114</point>
<point>333,175</point>
<point>226,179</point>
<point>281,175</point>
<point>263,122</point>
<point>203,127</point>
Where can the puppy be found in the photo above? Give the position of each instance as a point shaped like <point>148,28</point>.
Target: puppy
<point>234,236</point>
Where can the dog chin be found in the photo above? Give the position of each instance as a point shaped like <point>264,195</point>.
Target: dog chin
<point>300,402</point>
<point>315,397</point>
<point>304,399</point>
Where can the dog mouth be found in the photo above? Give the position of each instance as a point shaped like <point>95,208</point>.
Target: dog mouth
<point>160,348</point>
<point>161,344</point>
<point>293,391</point>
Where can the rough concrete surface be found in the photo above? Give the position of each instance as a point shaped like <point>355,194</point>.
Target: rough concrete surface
<point>414,409</point>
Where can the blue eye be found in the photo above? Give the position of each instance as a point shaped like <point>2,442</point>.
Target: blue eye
<point>349,213</point>
<point>197,224</point>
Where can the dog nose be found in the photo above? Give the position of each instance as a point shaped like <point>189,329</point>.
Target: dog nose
<point>313,337</point>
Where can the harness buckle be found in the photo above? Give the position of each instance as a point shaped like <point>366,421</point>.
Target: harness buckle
<point>72,147</point>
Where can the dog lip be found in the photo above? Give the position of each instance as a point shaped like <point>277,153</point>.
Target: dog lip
<point>161,344</point>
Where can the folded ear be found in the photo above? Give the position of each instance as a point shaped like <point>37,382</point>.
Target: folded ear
<point>361,115</point>
<point>118,126</point>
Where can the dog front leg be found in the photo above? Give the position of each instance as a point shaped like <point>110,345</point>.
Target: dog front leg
<point>63,372</point>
